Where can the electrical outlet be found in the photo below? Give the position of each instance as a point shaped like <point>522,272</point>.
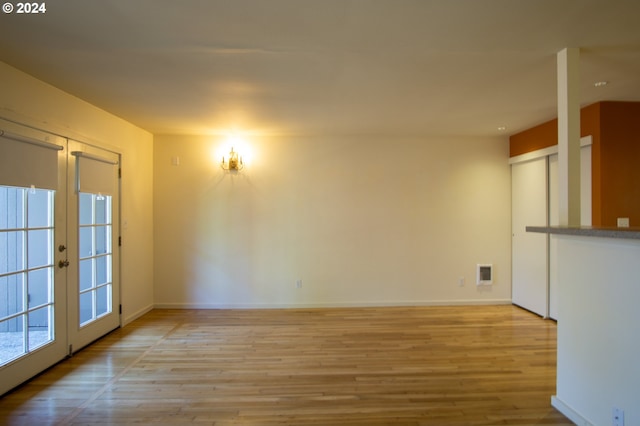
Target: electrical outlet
<point>623,222</point>
<point>618,417</point>
<point>461,281</point>
<point>299,284</point>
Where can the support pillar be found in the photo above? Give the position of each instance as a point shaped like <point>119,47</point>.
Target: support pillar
<point>569,136</point>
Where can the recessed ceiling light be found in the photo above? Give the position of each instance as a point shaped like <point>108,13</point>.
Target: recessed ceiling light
<point>600,83</point>
<point>502,128</point>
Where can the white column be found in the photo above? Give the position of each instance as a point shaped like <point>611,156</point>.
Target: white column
<point>569,137</point>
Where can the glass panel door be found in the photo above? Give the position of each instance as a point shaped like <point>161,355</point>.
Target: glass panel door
<point>93,224</point>
<point>33,333</point>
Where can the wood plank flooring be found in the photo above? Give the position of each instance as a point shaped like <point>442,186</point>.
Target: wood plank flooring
<point>472,365</point>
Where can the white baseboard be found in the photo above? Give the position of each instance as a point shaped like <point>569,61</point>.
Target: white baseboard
<point>161,305</point>
<point>129,318</point>
<point>569,412</point>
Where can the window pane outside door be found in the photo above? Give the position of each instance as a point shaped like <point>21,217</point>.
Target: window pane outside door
<point>95,254</point>
<point>26,270</point>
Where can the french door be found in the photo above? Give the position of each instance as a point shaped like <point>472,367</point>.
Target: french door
<point>59,287</point>
<point>33,301</point>
<point>93,289</point>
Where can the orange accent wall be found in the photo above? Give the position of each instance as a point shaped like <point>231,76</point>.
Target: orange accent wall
<point>615,157</point>
<point>535,138</point>
<point>620,162</point>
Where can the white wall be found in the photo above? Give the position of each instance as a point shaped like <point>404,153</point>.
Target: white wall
<point>598,342</point>
<point>31,102</point>
<point>360,220</point>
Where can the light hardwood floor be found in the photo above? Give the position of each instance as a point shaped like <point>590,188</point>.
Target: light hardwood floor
<point>473,365</point>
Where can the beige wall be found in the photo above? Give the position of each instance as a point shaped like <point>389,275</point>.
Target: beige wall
<point>361,221</point>
<point>31,102</point>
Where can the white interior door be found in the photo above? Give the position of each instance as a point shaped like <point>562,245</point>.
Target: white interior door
<point>529,250</point>
<point>93,212</point>
<point>33,332</point>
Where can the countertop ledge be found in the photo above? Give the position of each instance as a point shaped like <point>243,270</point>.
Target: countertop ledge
<point>588,231</point>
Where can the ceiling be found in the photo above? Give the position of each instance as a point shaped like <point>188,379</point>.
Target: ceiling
<point>391,67</point>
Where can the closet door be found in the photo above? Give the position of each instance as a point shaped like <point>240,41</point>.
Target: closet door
<point>529,250</point>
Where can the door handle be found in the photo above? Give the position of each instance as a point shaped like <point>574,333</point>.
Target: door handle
<point>63,263</point>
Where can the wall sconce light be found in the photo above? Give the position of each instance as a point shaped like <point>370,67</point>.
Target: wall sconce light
<point>233,162</point>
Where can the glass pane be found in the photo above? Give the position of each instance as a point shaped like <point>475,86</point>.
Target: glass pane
<point>86,307</point>
<point>103,270</point>
<point>86,274</point>
<point>39,332</point>
<point>12,251</point>
<point>102,239</point>
<point>39,287</point>
<point>12,207</point>
<point>40,212</point>
<point>86,209</point>
<point>13,339</point>
<point>103,300</point>
<point>103,209</point>
<point>40,247</point>
<point>32,249</point>
<point>11,295</point>
<point>95,253</point>
<point>86,242</point>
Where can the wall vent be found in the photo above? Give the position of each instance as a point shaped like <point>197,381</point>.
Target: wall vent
<point>484,274</point>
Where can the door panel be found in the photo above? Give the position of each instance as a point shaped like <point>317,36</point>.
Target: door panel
<point>32,225</point>
<point>94,290</point>
<point>529,250</point>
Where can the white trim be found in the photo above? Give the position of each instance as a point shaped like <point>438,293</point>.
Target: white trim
<point>134,316</point>
<point>534,155</point>
<point>545,152</point>
<point>487,302</point>
<point>586,141</point>
<point>569,412</point>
